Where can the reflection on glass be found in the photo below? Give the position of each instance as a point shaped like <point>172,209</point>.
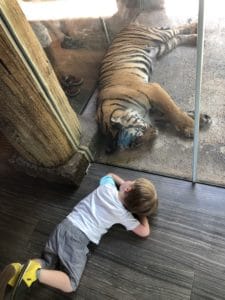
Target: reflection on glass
<point>214,9</point>
<point>68,9</point>
<point>211,166</point>
<point>76,42</point>
<point>182,9</point>
<point>74,36</point>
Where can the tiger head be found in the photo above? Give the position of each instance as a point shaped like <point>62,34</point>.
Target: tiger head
<point>132,130</point>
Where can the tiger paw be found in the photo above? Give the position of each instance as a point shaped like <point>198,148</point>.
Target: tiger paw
<point>187,131</point>
<point>193,27</point>
<point>205,120</point>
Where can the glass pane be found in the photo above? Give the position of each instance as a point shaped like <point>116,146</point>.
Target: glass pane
<point>73,35</point>
<point>211,166</point>
<point>170,153</point>
<point>76,35</point>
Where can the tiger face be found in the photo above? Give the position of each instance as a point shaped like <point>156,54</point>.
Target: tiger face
<point>132,129</point>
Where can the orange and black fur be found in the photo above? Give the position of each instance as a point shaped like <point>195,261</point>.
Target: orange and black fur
<point>126,97</point>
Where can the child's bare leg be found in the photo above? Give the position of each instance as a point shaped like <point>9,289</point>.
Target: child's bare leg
<point>55,279</point>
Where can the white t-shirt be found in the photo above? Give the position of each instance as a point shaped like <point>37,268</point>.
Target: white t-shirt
<point>101,209</point>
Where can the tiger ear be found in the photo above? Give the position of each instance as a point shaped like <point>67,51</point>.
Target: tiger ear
<point>115,122</point>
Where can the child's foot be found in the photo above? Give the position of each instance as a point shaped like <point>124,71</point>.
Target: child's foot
<point>9,275</point>
<point>27,276</point>
<point>28,273</point>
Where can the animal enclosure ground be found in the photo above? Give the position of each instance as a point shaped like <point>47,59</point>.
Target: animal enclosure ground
<point>169,154</point>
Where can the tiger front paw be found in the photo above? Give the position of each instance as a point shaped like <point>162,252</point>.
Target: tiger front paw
<point>188,132</point>
<point>205,120</point>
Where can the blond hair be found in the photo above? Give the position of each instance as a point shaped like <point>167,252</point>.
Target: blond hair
<point>142,199</point>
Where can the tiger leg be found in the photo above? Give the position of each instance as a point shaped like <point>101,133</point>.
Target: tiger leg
<point>161,100</point>
<point>167,34</point>
<point>186,29</point>
<point>178,40</point>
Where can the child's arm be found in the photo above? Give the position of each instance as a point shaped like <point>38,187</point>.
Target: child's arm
<point>118,180</point>
<point>142,230</point>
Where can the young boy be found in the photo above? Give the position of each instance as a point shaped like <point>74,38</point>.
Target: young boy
<point>65,253</point>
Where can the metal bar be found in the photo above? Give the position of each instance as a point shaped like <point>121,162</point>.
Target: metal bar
<point>105,30</point>
<point>198,83</point>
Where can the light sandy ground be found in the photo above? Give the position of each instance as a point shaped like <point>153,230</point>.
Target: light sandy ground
<point>170,154</point>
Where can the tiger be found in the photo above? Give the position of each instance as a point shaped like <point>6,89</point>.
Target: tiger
<point>127,98</point>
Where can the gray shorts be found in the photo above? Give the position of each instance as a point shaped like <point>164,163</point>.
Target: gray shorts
<point>66,250</point>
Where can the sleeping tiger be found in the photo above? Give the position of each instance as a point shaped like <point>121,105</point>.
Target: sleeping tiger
<point>126,98</point>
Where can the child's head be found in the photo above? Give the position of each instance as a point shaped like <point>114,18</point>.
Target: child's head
<point>140,197</point>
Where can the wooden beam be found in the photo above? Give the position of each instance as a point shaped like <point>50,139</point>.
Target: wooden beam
<point>35,114</point>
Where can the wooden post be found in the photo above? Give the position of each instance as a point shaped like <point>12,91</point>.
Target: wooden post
<point>35,114</point>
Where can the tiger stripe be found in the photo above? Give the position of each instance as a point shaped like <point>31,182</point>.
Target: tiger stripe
<point>123,101</point>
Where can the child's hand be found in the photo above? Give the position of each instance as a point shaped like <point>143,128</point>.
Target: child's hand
<point>118,180</point>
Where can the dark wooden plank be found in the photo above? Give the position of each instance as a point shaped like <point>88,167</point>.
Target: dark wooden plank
<point>182,259</point>
<point>14,234</point>
<point>208,286</point>
<point>114,278</point>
